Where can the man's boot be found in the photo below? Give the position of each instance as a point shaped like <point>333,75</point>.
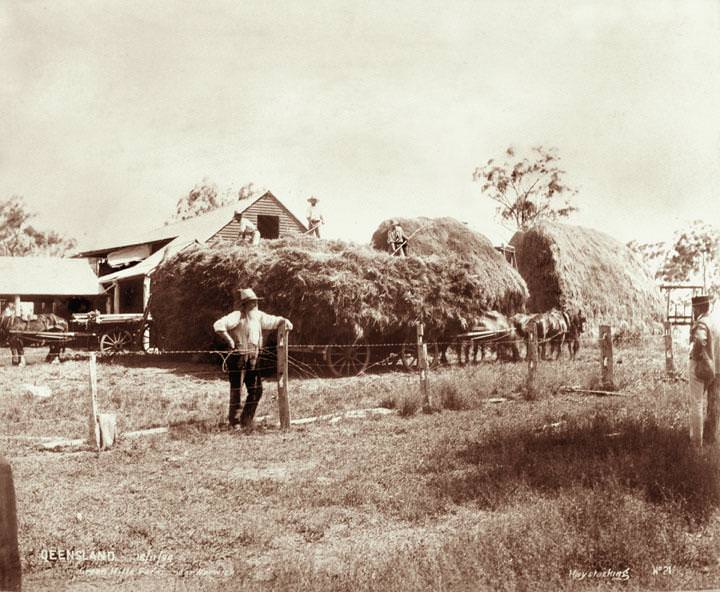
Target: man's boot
<point>248,413</point>
<point>235,394</point>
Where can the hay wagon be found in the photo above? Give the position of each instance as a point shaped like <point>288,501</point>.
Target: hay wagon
<point>355,357</point>
<point>113,333</point>
<point>108,333</point>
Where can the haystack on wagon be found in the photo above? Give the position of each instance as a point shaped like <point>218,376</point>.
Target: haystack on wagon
<point>352,306</point>
<point>576,268</point>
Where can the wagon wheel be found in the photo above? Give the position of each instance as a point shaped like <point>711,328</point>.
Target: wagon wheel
<point>148,340</point>
<point>347,360</point>
<point>115,341</point>
<point>408,355</point>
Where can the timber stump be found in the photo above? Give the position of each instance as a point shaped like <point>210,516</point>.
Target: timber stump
<point>10,571</point>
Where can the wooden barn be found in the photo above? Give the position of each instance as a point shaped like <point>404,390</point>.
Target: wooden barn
<point>48,284</point>
<point>125,268</point>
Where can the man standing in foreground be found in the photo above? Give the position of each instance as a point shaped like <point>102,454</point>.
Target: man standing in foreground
<point>242,331</point>
<point>704,371</point>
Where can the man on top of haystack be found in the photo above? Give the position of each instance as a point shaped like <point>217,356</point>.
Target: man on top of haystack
<point>397,241</point>
<point>704,371</point>
<point>249,234</point>
<point>314,216</point>
<point>242,331</point>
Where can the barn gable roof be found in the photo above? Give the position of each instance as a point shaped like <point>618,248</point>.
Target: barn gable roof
<point>47,276</point>
<point>200,228</point>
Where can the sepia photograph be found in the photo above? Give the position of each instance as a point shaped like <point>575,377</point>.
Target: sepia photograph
<point>359,296</point>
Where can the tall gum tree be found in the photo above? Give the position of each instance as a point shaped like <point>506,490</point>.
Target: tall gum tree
<point>527,189</point>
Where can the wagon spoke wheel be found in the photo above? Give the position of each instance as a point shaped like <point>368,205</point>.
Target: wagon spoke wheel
<point>408,355</point>
<point>149,340</point>
<point>347,360</point>
<point>115,342</point>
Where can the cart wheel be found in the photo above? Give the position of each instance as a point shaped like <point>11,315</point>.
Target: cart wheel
<point>115,342</point>
<point>148,340</point>
<point>347,360</point>
<point>408,355</point>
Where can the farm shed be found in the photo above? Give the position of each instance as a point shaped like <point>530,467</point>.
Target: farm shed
<point>48,284</point>
<point>505,289</point>
<point>127,266</point>
<point>581,268</point>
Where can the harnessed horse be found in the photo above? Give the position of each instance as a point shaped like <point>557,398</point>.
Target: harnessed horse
<point>11,322</point>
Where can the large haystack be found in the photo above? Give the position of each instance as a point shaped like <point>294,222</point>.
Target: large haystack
<point>580,268</point>
<point>332,291</point>
<point>441,236</point>
<point>448,238</point>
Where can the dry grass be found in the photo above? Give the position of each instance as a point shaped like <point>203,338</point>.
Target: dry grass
<point>504,496</point>
<point>580,268</point>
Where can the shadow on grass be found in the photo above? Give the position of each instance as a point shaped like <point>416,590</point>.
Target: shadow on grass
<point>634,454</point>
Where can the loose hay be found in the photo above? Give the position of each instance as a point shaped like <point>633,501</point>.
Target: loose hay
<point>579,268</point>
<point>333,292</point>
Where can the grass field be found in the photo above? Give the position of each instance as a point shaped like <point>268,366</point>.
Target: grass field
<point>567,491</point>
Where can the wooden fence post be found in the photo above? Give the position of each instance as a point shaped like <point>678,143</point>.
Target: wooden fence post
<point>282,376</point>
<point>93,426</point>
<point>606,357</point>
<point>532,357</point>
<point>669,358</point>
<point>423,366</point>
<point>10,569</point>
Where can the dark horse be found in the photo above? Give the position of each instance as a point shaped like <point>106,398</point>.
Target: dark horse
<point>43,323</point>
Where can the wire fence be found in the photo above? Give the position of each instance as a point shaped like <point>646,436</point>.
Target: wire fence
<point>418,359</point>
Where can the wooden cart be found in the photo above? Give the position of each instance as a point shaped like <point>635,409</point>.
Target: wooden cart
<point>116,333</point>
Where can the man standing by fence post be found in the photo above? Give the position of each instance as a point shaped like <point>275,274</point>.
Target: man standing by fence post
<point>242,331</point>
<point>704,371</point>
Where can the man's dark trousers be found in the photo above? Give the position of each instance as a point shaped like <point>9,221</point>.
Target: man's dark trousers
<point>239,364</point>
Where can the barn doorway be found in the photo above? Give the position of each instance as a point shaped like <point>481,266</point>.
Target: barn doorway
<point>269,226</point>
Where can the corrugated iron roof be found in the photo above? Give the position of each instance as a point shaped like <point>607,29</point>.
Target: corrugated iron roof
<point>47,276</point>
<point>147,266</point>
<point>200,227</point>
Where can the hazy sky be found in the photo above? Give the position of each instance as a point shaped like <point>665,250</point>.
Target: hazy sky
<point>111,110</point>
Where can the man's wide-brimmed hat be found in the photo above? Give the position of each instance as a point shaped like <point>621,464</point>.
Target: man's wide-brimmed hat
<point>247,295</point>
<point>312,198</point>
<point>701,300</point>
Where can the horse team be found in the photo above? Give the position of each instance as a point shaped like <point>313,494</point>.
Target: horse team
<point>554,329</point>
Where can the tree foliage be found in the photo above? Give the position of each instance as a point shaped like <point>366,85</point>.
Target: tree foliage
<point>527,190</point>
<point>651,254</point>
<point>205,197</point>
<point>693,256</point>
<point>19,238</point>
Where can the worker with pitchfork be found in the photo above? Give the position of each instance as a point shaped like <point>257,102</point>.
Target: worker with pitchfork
<point>242,331</point>
<point>314,216</point>
<point>397,241</point>
<point>704,371</point>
